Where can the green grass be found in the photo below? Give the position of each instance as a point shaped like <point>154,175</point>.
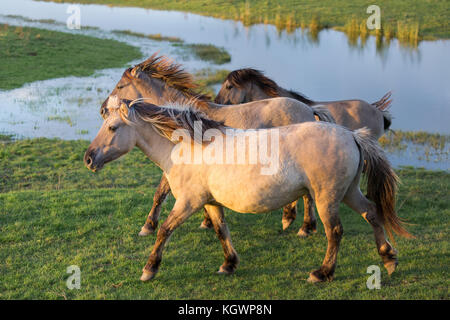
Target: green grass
<point>430,146</point>
<point>30,54</point>
<point>398,138</point>
<point>207,52</point>
<point>157,37</point>
<point>206,78</point>
<point>55,213</point>
<point>432,17</point>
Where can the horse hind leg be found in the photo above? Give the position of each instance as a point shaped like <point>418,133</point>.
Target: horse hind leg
<point>329,214</point>
<point>217,218</point>
<point>206,223</point>
<point>289,214</point>
<point>309,221</point>
<point>358,202</point>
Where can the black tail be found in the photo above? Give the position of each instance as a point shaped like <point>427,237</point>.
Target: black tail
<point>383,105</point>
<point>381,183</point>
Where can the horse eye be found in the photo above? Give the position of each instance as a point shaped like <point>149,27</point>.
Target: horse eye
<point>229,87</point>
<point>112,128</point>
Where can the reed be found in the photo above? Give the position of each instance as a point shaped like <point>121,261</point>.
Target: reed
<point>291,23</point>
<point>279,22</point>
<point>388,32</point>
<point>363,31</point>
<point>352,29</point>
<point>314,28</point>
<point>408,32</point>
<point>246,14</point>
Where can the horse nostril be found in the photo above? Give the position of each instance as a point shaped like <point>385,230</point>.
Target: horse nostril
<point>89,161</point>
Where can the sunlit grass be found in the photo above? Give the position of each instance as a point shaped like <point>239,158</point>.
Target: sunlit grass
<point>431,16</point>
<point>55,213</point>
<point>208,52</point>
<point>206,78</point>
<point>30,54</point>
<point>157,37</point>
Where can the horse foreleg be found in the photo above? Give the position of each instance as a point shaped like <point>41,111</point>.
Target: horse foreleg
<point>309,221</point>
<point>289,214</point>
<point>218,221</point>
<point>329,214</point>
<point>161,193</point>
<point>181,211</point>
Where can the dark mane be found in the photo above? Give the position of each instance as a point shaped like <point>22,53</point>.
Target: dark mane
<point>300,97</point>
<point>170,118</point>
<point>161,67</point>
<point>239,77</point>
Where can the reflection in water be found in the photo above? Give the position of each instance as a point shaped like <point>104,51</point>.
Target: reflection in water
<point>325,65</point>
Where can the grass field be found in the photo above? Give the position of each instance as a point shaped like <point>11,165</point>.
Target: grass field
<point>30,54</point>
<point>400,17</point>
<point>55,213</point>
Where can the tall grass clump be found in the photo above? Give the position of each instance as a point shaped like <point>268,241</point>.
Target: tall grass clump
<point>408,33</point>
<point>314,28</point>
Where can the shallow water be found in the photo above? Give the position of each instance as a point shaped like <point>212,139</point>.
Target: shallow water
<point>329,68</point>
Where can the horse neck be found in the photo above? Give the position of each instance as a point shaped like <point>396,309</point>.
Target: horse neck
<point>156,147</point>
<point>153,90</point>
<point>161,93</point>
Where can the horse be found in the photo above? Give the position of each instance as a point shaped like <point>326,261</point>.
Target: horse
<point>328,166</point>
<point>160,80</point>
<point>246,85</point>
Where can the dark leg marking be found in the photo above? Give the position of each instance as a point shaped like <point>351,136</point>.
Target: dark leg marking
<point>289,214</point>
<point>206,223</point>
<point>309,221</point>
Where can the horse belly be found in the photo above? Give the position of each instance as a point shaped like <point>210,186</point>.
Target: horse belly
<point>250,192</point>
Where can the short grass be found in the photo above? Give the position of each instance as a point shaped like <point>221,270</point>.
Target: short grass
<point>30,54</point>
<point>432,17</point>
<point>207,52</point>
<point>157,37</point>
<point>55,213</point>
<point>207,78</point>
<point>204,52</point>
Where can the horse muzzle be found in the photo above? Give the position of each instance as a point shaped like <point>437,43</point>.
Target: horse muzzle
<point>91,162</point>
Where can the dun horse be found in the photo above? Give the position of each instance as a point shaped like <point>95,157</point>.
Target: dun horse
<point>328,166</point>
<point>159,81</point>
<point>246,85</point>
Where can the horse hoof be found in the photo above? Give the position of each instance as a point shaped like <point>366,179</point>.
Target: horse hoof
<point>145,231</point>
<point>306,233</point>
<point>313,279</point>
<point>223,270</point>
<point>318,276</point>
<point>391,266</point>
<point>286,223</point>
<point>205,225</point>
<point>302,233</point>
<point>147,275</point>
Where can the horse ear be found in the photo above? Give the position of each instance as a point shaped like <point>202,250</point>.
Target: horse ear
<point>124,108</point>
<point>136,71</point>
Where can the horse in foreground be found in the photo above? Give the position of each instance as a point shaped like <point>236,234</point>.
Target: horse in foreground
<point>160,81</point>
<point>246,85</point>
<point>328,166</point>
